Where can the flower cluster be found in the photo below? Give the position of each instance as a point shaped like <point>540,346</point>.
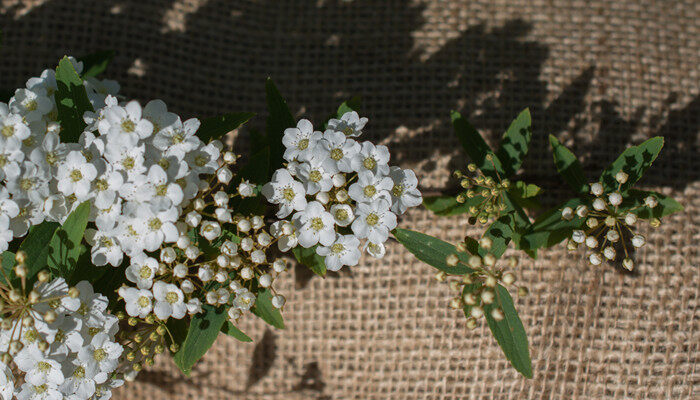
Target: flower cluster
<point>609,228</point>
<point>58,340</point>
<point>32,156</point>
<point>477,290</point>
<point>339,190</point>
<point>486,190</point>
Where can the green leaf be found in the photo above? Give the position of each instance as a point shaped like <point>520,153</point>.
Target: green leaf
<point>634,161</point>
<point>448,205</point>
<point>65,245</point>
<point>501,232</point>
<point>85,270</point>
<point>515,143</point>
<point>667,205</point>
<point>312,260</point>
<point>35,245</point>
<point>231,330</point>
<point>263,308</point>
<point>8,262</point>
<point>201,334</point>
<point>71,101</point>
<point>476,147</point>
<point>568,166</point>
<point>213,128</point>
<point>509,332</point>
<point>279,118</point>
<point>549,228</point>
<point>524,190</point>
<point>353,104</point>
<point>96,63</point>
<point>432,251</point>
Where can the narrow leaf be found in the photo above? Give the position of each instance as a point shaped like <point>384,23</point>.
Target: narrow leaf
<point>263,308</point>
<point>35,245</point>
<point>96,63</point>
<point>202,332</point>
<point>312,260</point>
<point>666,205</point>
<point>501,233</point>
<point>509,332</point>
<point>213,128</point>
<point>65,245</point>
<point>475,147</point>
<point>568,166</point>
<point>279,118</point>
<point>634,161</point>
<point>515,143</point>
<point>432,251</point>
<point>549,228</point>
<point>448,205</point>
<point>8,262</point>
<point>71,101</point>
<point>231,330</point>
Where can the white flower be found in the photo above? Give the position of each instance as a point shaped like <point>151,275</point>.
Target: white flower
<point>39,392</point>
<point>169,301</point>
<point>374,221</point>
<point>31,183</point>
<point>376,250</point>
<point>204,160</point>
<point>129,159</point>
<point>179,138</point>
<point>224,175</point>
<point>285,191</point>
<point>7,383</point>
<point>370,187</point>
<point>163,188</point>
<point>13,130</point>
<point>314,225</point>
<point>105,248</point>
<point>371,158</point>
<point>5,232</point>
<point>244,299</point>
<point>142,271</point>
<point>156,111</point>
<point>316,174</point>
<point>100,357</point>
<point>78,383</point>
<point>139,302</point>
<point>343,214</point>
<point>301,141</point>
<point>106,187</point>
<point>157,225</point>
<point>39,367</point>
<point>125,125</point>
<point>350,124</point>
<point>75,175</point>
<point>340,149</point>
<point>210,230</point>
<point>404,193</point>
<point>344,251</point>
<point>50,152</point>
<point>31,104</point>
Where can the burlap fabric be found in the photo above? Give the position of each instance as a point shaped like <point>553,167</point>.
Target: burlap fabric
<point>598,74</point>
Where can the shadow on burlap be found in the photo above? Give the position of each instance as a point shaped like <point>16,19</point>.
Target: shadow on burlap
<point>600,75</point>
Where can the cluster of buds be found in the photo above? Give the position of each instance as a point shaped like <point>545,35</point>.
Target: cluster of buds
<point>608,228</point>
<point>476,291</point>
<point>142,340</point>
<point>489,192</point>
<point>55,338</point>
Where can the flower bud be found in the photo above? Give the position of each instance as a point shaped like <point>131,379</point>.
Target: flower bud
<point>229,157</point>
<point>258,257</point>
<point>487,296</point>
<point>205,273</point>
<point>599,204</point>
<point>247,244</point>
<point>609,253</point>
<point>199,204</point>
<point>567,214</point>
<point>193,219</point>
<point>73,292</point>
<point>469,299</point>
<point>234,314</point>
<point>182,242</point>
<point>630,219</point>
<point>43,276</point>
<point>612,235</point>
<point>582,211</point>
<point>187,286</point>
<point>338,180</point>
<point>279,265</point>
<point>192,252</point>
<point>265,280</point>
<point>651,202</point>
<point>21,270</point>
<point>21,257</point>
<point>278,301</point>
<point>245,189</point>
<point>180,271</point>
<point>490,281</point>
<point>221,198</point>
<point>222,261</point>
<point>628,264</point>
<point>471,323</point>
<point>638,241</point>
<point>489,260</point>
<point>246,273</point>
<point>621,177</point>
<point>223,215</point>
<point>476,312</point>
<point>257,222</point>
<point>342,196</point>
<point>595,259</point>
<point>440,276</point>
<point>486,242</point>
<point>224,175</point>
<point>508,278</point>
<point>591,242</point>
<point>596,189</point>
<point>497,314</point>
<point>229,248</point>
<point>243,225</point>
<point>167,255</point>
<point>452,260</point>
<point>455,303</point>
<point>264,239</point>
<point>615,198</point>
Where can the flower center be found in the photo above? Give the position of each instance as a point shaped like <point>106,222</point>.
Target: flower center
<point>162,190</point>
<point>40,389</point>
<point>8,131</point>
<point>26,184</point>
<point>369,163</point>
<point>79,372</point>
<point>303,144</point>
<point>144,301</point>
<point>29,142</point>
<point>51,157</point>
<point>315,175</point>
<point>3,160</point>
<point>101,185</point>
<point>154,224</point>
<point>43,366</point>
<point>87,155</point>
<point>178,138</point>
<point>317,224</point>
<point>83,309</point>
<point>106,242</point>
<point>171,297</point>
<point>288,194</point>
<point>93,331</point>
<point>128,163</point>
<point>200,161</point>
<point>30,105</point>
<point>337,248</point>
<point>145,272</point>
<point>370,191</point>
<point>31,336</point>
<point>76,175</point>
<point>99,355</point>
<point>341,215</point>
<point>348,131</point>
<point>128,125</point>
<point>337,154</point>
<point>397,190</point>
<point>164,163</point>
<point>372,219</point>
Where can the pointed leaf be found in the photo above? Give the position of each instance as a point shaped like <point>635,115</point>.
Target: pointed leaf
<point>312,260</point>
<point>65,245</point>
<point>634,161</point>
<point>509,332</point>
<point>549,228</point>
<point>448,205</point>
<point>71,101</point>
<point>432,251</point>
<point>279,118</point>
<point>214,128</point>
<point>666,205</point>
<point>201,334</point>
<point>96,63</point>
<point>568,166</point>
<point>263,308</point>
<point>8,262</point>
<point>231,330</point>
<point>35,245</point>
<point>475,147</point>
<point>515,143</point>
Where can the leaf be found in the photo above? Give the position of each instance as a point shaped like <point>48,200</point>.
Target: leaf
<point>96,63</point>
<point>509,332</point>
<point>634,161</point>
<point>568,166</point>
<point>515,143</point>
<point>524,190</point>
<point>71,102</point>
<point>475,147</point>
<point>213,128</point>
<point>666,205</point>
<point>65,245</point>
<point>549,228</point>
<point>432,251</point>
<point>201,334</point>
<point>231,330</point>
<point>312,260</point>
<point>501,233</point>
<point>35,245</point>
<point>263,308</point>
<point>8,262</point>
<point>448,205</point>
<point>85,270</point>
<point>279,118</point>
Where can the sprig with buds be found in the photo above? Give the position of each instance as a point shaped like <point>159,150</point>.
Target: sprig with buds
<point>489,192</point>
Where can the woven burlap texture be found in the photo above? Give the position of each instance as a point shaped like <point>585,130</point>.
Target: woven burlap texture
<point>600,75</point>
